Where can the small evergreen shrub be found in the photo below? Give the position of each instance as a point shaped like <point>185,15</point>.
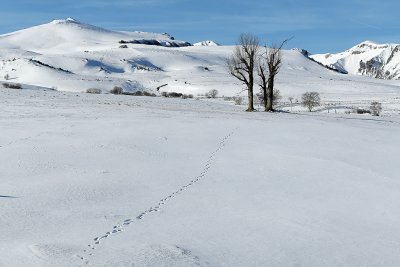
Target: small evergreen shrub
<point>93,91</point>
<point>117,90</point>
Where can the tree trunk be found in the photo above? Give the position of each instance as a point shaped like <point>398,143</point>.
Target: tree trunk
<point>250,98</point>
<point>250,93</point>
<point>265,97</point>
<point>270,94</point>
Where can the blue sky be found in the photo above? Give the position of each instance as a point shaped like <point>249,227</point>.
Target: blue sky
<point>319,26</point>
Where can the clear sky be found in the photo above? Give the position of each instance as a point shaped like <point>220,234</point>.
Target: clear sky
<point>317,25</point>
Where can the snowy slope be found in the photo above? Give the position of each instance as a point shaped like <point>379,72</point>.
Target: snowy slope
<point>206,43</point>
<point>72,56</point>
<point>368,58</point>
<point>173,182</point>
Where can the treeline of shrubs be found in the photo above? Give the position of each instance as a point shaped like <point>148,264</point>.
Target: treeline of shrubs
<point>176,95</point>
<point>12,85</point>
<point>119,91</point>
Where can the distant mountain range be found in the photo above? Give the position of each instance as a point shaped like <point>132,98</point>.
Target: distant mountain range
<point>69,55</point>
<point>368,58</point>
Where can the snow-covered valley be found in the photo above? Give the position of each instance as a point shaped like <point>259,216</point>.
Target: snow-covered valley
<point>120,180</point>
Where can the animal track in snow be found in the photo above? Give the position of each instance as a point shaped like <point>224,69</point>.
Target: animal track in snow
<point>121,227</point>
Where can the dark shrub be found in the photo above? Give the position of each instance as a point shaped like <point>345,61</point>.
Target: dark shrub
<point>174,94</point>
<point>93,91</point>
<point>12,85</point>
<point>362,111</point>
<point>212,93</point>
<point>145,93</point>
<point>117,90</point>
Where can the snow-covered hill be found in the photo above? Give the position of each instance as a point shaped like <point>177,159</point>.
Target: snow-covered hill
<point>368,58</point>
<point>68,55</point>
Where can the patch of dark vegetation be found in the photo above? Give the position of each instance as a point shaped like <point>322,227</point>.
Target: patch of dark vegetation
<point>362,111</point>
<point>40,63</point>
<point>139,93</point>
<point>332,68</point>
<point>93,91</point>
<point>156,43</point>
<point>176,95</point>
<point>187,96</point>
<point>12,85</point>
<point>117,90</point>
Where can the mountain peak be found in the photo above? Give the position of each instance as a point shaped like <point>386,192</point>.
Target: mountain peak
<point>65,21</point>
<point>367,58</point>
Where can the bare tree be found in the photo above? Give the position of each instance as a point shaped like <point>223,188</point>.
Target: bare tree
<point>376,108</point>
<point>311,100</point>
<point>212,93</point>
<point>243,63</point>
<point>268,68</point>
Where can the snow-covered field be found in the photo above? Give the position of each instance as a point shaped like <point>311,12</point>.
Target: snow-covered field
<point>104,180</point>
<point>112,180</point>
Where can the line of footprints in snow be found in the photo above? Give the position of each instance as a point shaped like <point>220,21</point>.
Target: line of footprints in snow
<point>120,227</point>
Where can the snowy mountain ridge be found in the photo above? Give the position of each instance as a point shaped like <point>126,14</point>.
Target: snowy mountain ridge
<point>370,59</point>
<point>68,55</point>
<point>206,43</point>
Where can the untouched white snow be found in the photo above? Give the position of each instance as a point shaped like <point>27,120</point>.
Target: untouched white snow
<point>193,183</point>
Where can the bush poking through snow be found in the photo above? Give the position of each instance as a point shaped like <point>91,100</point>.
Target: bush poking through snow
<point>145,93</point>
<point>6,77</point>
<point>213,93</point>
<point>174,94</point>
<point>276,97</point>
<point>12,85</point>
<point>93,91</point>
<point>238,100</point>
<point>362,111</point>
<point>184,96</point>
<point>117,90</point>
<point>376,108</point>
<point>138,93</point>
<point>310,100</point>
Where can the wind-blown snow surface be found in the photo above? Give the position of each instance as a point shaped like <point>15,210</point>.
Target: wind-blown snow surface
<point>192,183</point>
<point>73,56</point>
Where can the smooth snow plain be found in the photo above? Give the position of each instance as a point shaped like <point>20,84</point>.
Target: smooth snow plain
<point>104,180</point>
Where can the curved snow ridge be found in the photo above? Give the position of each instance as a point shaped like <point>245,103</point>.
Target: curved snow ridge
<point>120,227</point>
<point>206,43</point>
<point>72,22</point>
